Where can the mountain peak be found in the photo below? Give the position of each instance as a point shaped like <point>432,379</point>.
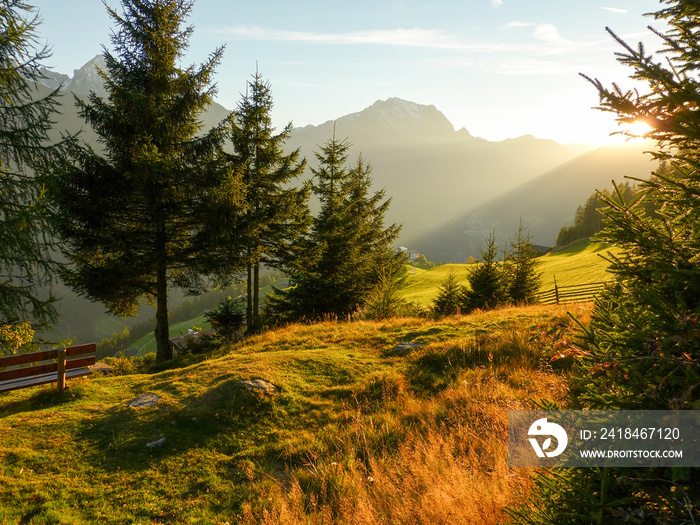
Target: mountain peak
<point>401,116</point>
<point>87,78</point>
<point>84,80</point>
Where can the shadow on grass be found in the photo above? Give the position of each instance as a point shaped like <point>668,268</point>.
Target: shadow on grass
<point>422,336</point>
<point>43,398</point>
<point>226,419</point>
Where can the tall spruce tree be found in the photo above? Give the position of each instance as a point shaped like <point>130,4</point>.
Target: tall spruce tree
<point>449,298</point>
<point>520,275</point>
<point>276,214</point>
<point>644,336</point>
<point>348,251</point>
<point>25,119</point>
<point>487,288</point>
<point>152,208</point>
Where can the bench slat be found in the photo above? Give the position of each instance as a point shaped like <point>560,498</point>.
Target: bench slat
<point>36,357</point>
<point>41,369</point>
<point>89,348</point>
<point>22,377</point>
<point>28,371</point>
<point>16,384</point>
<point>33,357</point>
<point>81,362</point>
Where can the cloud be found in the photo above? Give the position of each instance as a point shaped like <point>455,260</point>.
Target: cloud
<point>425,38</point>
<point>516,23</point>
<point>497,3</point>
<point>616,10</point>
<point>550,34</point>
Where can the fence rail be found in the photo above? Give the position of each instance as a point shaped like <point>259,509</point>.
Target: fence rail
<point>570,294</point>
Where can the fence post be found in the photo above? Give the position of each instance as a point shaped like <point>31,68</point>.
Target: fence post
<point>61,383</point>
<point>556,289</point>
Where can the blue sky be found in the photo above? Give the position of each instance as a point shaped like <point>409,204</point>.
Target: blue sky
<point>500,68</point>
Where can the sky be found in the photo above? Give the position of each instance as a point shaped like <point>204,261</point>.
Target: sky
<point>499,68</point>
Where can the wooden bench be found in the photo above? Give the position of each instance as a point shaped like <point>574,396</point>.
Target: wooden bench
<point>50,366</point>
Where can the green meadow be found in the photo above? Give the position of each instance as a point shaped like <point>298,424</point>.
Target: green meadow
<point>580,262</point>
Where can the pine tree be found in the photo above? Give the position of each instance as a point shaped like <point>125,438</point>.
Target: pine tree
<point>25,119</point>
<point>589,219</point>
<point>644,336</point>
<point>276,215</point>
<point>449,299</point>
<point>658,277</point>
<point>156,207</point>
<point>520,270</point>
<point>348,249</point>
<point>487,288</point>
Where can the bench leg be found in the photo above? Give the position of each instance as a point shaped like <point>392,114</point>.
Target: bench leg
<point>61,370</point>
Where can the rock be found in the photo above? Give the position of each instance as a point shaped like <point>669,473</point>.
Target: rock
<point>401,350</point>
<point>144,400</point>
<point>156,443</point>
<point>258,385</point>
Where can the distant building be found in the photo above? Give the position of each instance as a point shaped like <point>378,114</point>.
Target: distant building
<point>410,254</point>
<point>180,342</point>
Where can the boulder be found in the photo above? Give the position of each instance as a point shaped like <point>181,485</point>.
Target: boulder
<point>156,443</point>
<point>259,385</point>
<point>401,349</point>
<point>146,400</point>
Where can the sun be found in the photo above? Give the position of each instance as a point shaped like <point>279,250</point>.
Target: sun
<point>638,129</point>
<point>630,133</point>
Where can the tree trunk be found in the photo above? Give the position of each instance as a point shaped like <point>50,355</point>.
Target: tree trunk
<point>249,301</point>
<point>256,297</point>
<point>163,350</point>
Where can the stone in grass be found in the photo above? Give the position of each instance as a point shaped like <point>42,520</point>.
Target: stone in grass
<point>258,385</point>
<point>146,400</point>
<point>401,349</point>
<point>156,443</point>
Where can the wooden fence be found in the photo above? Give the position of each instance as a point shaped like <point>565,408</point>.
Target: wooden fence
<point>570,294</point>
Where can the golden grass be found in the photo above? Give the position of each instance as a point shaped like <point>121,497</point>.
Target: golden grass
<point>356,436</point>
<point>416,459</point>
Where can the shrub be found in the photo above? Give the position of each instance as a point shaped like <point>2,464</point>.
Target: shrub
<point>228,318</point>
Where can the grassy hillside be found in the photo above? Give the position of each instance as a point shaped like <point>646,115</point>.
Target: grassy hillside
<point>357,434</point>
<point>578,263</point>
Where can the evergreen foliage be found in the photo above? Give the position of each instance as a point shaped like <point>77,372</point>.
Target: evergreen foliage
<point>156,207</point>
<point>487,286</point>
<point>385,301</point>
<point>588,220</point>
<point>348,249</point>
<point>228,318</point>
<point>643,340</point>
<point>276,215</point>
<point>520,273</point>
<point>450,296</point>
<point>25,119</point>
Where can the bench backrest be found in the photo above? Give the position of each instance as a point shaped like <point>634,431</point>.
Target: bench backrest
<point>48,366</point>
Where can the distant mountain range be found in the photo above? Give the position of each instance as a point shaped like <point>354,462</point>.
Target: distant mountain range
<point>449,189</point>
